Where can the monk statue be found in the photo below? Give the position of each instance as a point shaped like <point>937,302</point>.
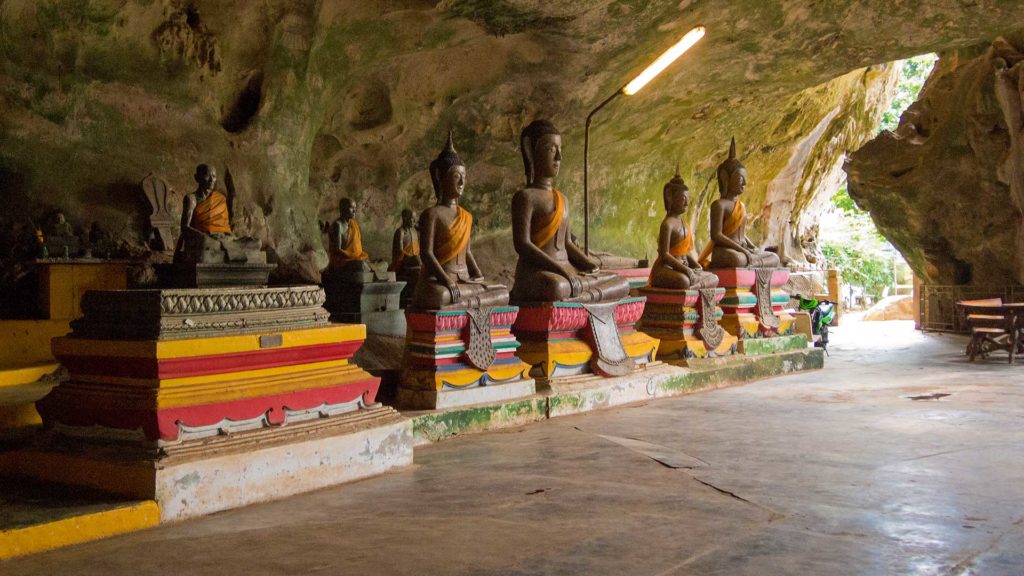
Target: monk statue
<point>450,278</point>
<point>346,239</point>
<point>405,247</point>
<point>729,246</point>
<point>676,267</point>
<point>206,235</point>
<point>551,268</point>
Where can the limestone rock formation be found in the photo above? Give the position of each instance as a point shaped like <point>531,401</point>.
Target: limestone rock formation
<point>305,102</point>
<point>946,188</point>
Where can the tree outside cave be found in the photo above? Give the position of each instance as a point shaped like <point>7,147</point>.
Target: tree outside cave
<point>870,266</point>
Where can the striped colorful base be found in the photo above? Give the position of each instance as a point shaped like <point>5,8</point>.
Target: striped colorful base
<point>553,341</point>
<point>435,347</point>
<point>672,317</point>
<point>169,391</point>
<point>740,303</point>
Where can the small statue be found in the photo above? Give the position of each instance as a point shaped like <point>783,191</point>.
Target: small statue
<point>676,267</point>
<point>206,235</point>
<point>450,278</point>
<point>405,248</point>
<point>729,246</point>
<point>101,242</point>
<point>59,237</point>
<point>551,268</point>
<point>346,239</point>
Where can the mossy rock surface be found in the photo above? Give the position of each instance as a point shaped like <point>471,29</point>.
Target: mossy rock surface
<point>940,186</point>
<point>304,103</point>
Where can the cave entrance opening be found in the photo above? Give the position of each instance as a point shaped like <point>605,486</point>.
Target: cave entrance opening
<point>877,282</point>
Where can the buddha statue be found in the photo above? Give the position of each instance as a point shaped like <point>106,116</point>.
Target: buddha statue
<point>676,267</point>
<point>206,236</point>
<point>729,246</point>
<point>450,278</point>
<point>405,247</point>
<point>551,268</point>
<point>346,239</point>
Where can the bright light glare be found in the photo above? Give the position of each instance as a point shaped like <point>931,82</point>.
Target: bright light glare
<point>664,60</point>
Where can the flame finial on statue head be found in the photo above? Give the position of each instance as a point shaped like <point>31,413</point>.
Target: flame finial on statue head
<point>445,161</point>
<point>675,184</point>
<point>729,167</point>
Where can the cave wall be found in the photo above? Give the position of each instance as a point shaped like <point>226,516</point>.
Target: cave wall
<point>306,102</point>
<point>941,187</point>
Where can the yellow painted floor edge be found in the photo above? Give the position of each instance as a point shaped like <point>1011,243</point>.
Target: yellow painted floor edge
<point>78,529</point>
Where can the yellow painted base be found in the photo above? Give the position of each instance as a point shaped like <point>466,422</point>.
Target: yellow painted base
<point>787,323</point>
<point>27,342</point>
<point>25,374</point>
<point>429,379</point>
<point>62,284</point>
<point>574,352</point>
<point>742,325</point>
<point>33,539</point>
<point>693,347</point>
<point>206,346</point>
<point>18,392</point>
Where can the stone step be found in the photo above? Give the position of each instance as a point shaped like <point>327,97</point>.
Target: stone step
<point>35,517</point>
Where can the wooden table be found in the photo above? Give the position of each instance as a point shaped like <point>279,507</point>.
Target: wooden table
<point>994,326</point>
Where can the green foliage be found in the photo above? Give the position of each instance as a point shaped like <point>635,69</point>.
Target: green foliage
<point>913,74</point>
<point>841,200</point>
<point>856,248</point>
<point>860,227</point>
<point>860,267</point>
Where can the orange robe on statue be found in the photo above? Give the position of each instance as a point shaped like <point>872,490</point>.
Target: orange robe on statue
<point>211,215</point>
<point>543,234</point>
<point>729,227</point>
<point>456,239</point>
<point>353,248</point>
<point>681,248</point>
<point>412,249</point>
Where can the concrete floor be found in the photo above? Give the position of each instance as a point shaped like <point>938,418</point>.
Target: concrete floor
<point>831,472</point>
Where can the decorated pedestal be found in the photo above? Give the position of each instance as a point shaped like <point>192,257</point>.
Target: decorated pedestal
<point>207,399</point>
<point>557,341</point>
<point>457,357</point>
<point>686,323</point>
<point>361,300</point>
<point>214,275</point>
<point>753,304</point>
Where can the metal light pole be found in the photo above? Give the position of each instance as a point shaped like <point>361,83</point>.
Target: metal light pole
<point>634,86</point>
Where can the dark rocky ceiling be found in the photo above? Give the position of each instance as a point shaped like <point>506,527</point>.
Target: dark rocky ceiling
<point>304,102</point>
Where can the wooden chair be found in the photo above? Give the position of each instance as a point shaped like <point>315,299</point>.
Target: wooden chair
<point>993,325</point>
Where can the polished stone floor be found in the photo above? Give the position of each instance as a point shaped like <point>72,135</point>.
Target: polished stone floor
<point>856,469</point>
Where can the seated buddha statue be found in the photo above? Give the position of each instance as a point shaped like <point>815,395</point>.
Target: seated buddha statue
<point>729,246</point>
<point>405,246</point>
<point>450,278</point>
<point>206,235</point>
<point>346,240</point>
<point>551,268</point>
<point>676,267</point>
